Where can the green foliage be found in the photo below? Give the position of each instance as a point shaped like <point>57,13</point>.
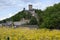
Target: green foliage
<point>40,14</point>
<point>18,16</point>
<point>51,17</point>
<point>33,21</point>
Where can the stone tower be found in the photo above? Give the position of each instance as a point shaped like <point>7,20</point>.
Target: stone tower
<point>32,11</point>
<point>30,7</point>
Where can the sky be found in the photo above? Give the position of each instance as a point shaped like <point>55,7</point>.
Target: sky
<point>9,8</point>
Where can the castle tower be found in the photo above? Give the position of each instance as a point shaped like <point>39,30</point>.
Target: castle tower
<point>32,11</point>
<point>30,7</point>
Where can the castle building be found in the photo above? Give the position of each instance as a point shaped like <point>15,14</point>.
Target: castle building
<point>31,10</point>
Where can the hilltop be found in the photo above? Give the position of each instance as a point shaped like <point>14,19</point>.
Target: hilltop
<point>49,18</point>
<point>30,15</point>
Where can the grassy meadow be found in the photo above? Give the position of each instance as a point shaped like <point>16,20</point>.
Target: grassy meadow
<point>28,34</point>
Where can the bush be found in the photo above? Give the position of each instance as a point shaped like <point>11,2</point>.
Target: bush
<point>33,21</point>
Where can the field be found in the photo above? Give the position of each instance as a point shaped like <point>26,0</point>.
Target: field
<point>28,34</point>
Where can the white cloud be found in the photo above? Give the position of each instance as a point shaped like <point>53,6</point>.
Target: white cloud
<point>3,18</point>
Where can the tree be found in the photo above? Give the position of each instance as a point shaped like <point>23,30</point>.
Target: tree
<point>33,21</point>
<point>51,17</point>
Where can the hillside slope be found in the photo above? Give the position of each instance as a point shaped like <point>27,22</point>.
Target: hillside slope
<point>23,14</point>
<point>49,18</point>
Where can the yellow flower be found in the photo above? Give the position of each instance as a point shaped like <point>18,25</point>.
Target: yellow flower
<point>29,34</point>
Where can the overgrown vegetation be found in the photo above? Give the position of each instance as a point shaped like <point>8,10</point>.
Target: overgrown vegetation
<point>51,17</point>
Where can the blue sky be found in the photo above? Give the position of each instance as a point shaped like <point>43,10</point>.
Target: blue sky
<point>9,8</point>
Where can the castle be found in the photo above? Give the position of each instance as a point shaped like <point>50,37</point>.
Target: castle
<point>23,21</point>
<point>30,9</point>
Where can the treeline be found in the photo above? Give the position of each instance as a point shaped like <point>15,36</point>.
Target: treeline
<point>49,18</point>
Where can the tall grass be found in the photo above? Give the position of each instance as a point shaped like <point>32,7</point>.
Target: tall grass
<point>28,34</point>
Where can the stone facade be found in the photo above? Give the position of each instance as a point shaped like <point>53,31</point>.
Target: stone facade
<point>21,22</point>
